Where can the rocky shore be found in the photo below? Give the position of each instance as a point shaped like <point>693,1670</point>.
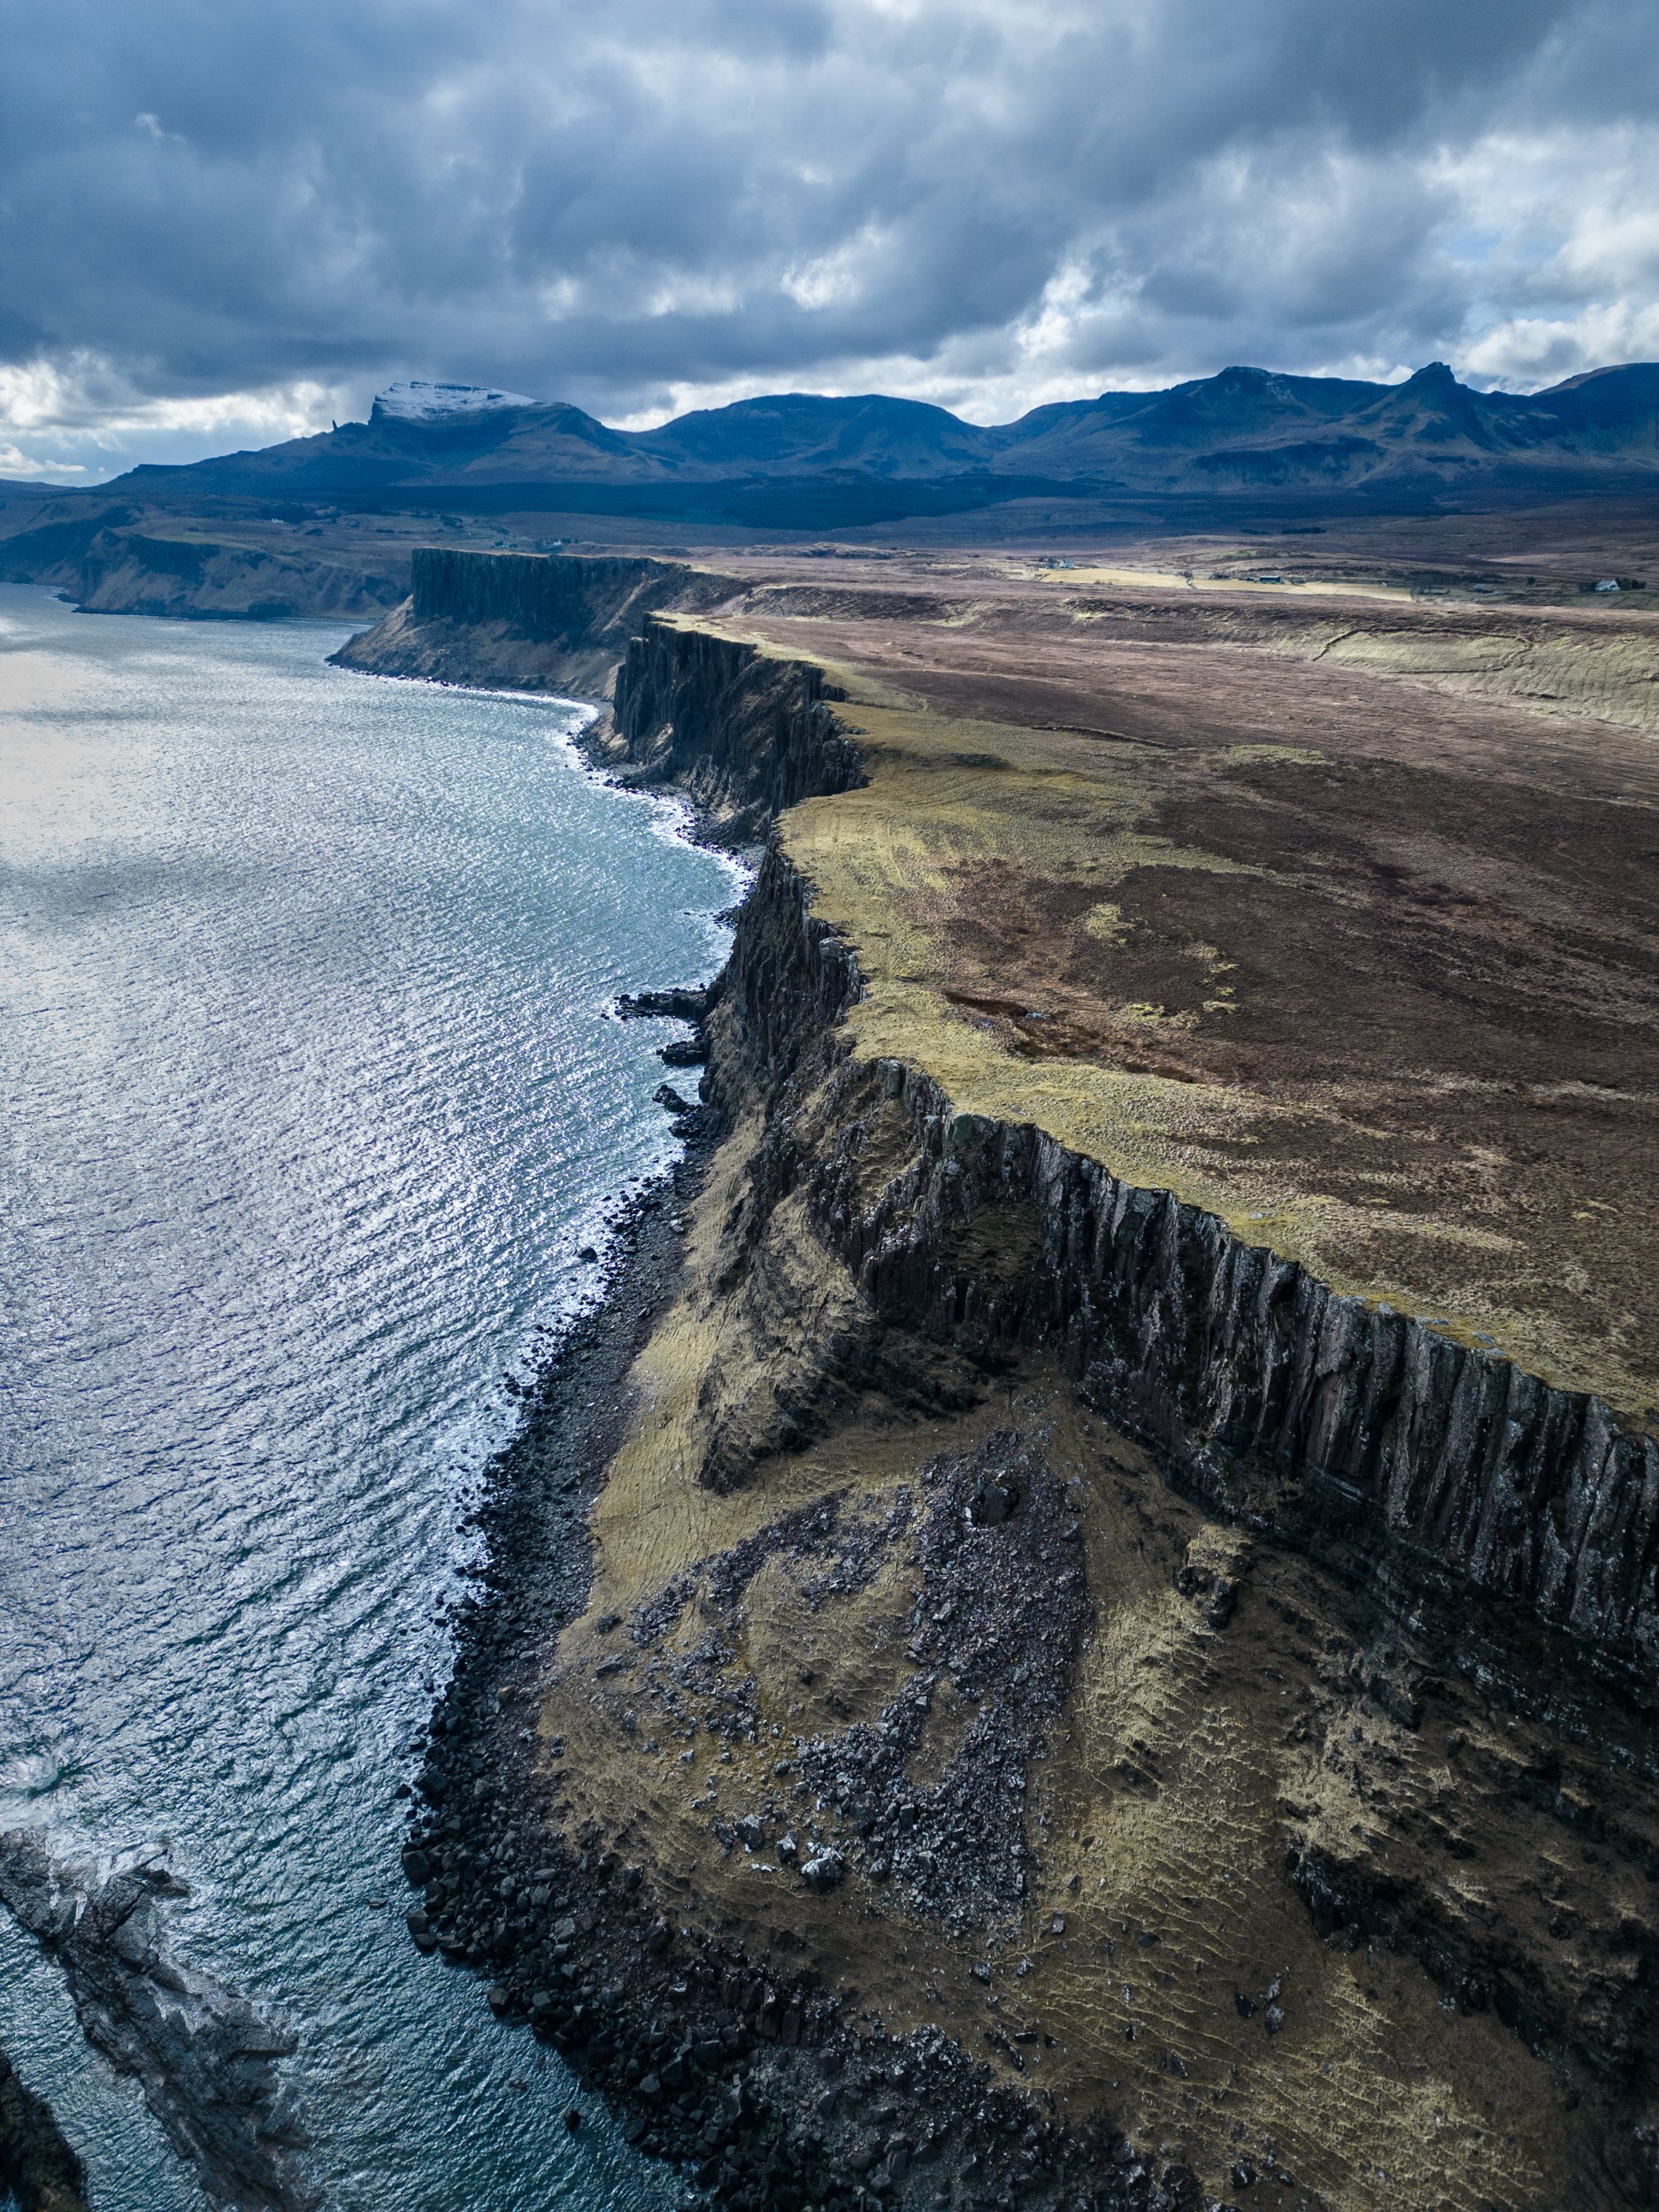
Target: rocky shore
<point>754,2081</point>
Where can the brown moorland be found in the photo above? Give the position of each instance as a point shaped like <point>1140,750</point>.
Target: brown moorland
<point>1338,916</point>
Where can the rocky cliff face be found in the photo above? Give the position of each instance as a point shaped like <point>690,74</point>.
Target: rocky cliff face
<point>743,734</point>
<point>111,563</point>
<point>523,622</point>
<point>564,601</point>
<point>1405,1460</point>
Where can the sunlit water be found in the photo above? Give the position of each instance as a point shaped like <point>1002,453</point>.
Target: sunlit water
<point>310,1099</point>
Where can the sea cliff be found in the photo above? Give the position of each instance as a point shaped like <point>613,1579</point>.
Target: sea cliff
<point>119,559</point>
<point>1035,1695</point>
<point>521,621</point>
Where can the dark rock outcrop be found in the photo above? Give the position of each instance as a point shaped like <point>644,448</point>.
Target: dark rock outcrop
<point>524,621</point>
<point>742,734</point>
<point>677,1005</point>
<point>206,2057</point>
<point>37,2166</point>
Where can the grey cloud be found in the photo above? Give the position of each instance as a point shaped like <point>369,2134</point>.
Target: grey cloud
<point>610,204</point>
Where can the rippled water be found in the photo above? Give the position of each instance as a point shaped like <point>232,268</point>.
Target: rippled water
<point>310,1099</point>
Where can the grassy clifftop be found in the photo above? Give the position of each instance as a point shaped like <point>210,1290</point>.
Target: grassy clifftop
<point>1368,969</point>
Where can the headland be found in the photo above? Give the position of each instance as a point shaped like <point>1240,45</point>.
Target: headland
<point>1081,1629</point>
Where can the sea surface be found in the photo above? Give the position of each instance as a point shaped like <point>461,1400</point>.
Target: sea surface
<point>310,1095</point>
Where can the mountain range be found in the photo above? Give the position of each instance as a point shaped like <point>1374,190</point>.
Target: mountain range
<point>1243,432</point>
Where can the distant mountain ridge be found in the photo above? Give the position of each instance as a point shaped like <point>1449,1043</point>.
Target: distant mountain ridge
<point>1244,431</point>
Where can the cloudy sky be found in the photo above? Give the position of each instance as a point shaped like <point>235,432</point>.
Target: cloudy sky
<point>228,221</point>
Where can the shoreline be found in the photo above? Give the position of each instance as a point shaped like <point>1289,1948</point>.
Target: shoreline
<point>750,2080</point>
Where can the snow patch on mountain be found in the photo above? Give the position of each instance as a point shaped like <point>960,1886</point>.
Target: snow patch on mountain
<point>413,400</point>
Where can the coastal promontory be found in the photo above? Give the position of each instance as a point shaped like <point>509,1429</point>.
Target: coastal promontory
<point>1081,1628</point>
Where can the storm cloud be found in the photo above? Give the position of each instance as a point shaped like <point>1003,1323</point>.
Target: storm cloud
<point>222,224</point>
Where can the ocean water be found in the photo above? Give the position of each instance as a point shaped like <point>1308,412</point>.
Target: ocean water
<point>309,1097</point>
